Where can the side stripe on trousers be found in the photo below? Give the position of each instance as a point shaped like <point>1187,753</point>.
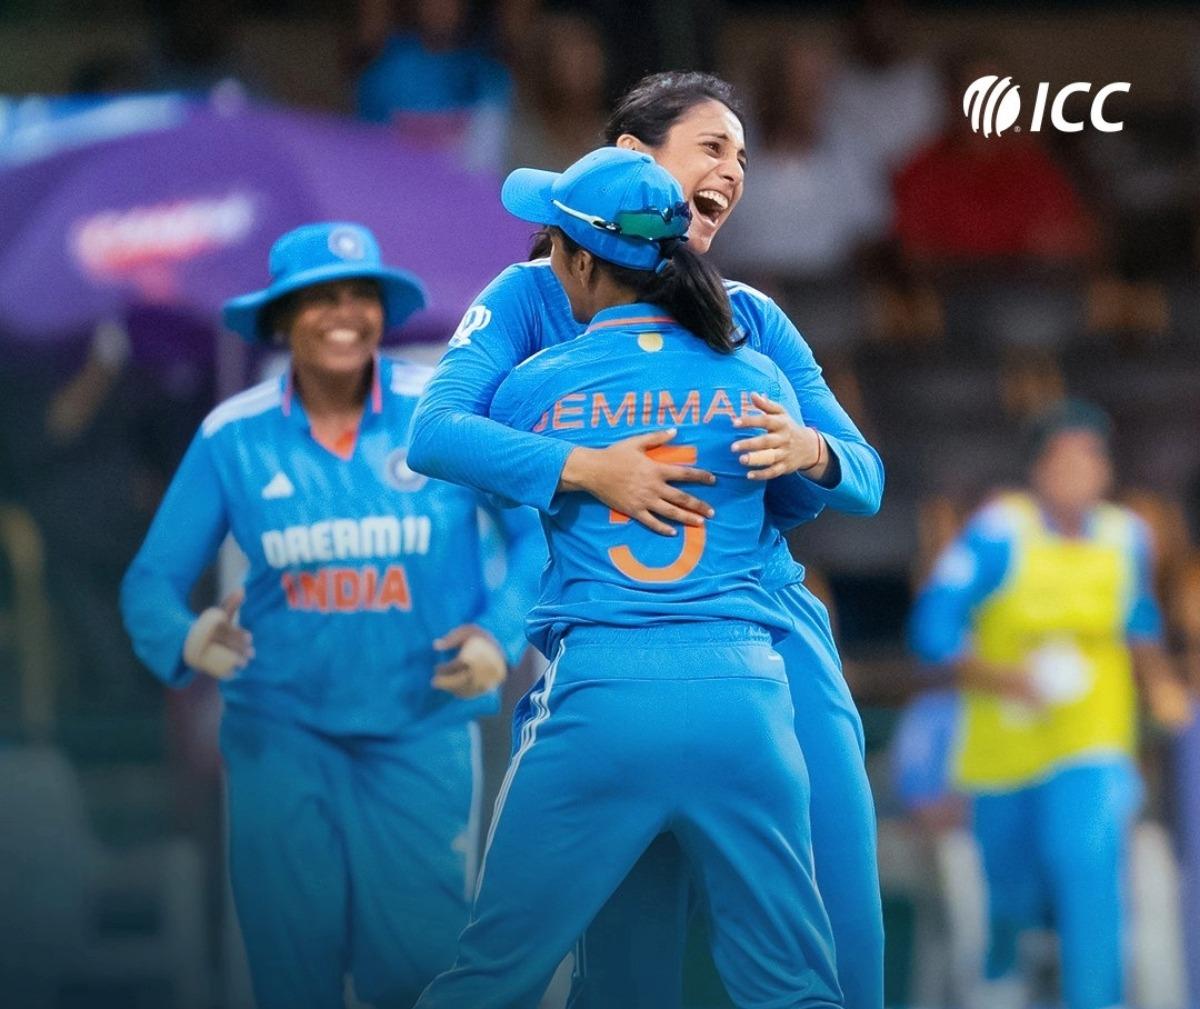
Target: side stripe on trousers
<point>540,700</point>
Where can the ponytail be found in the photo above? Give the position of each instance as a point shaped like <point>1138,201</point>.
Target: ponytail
<point>685,286</point>
<point>694,294</point>
<point>540,244</point>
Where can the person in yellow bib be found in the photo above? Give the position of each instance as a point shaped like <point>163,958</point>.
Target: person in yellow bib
<point>1043,609</point>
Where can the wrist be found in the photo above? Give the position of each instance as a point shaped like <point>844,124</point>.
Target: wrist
<point>577,471</point>
<point>821,458</point>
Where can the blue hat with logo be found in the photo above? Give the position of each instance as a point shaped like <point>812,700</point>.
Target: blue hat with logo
<point>619,205</point>
<point>316,253</point>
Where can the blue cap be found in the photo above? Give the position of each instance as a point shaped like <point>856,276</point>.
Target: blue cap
<point>588,198</point>
<point>315,253</point>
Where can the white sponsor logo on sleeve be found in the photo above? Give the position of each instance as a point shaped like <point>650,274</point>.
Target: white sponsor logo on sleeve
<point>477,318</point>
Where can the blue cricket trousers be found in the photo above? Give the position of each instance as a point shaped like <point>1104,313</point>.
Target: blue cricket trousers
<point>631,733</point>
<point>348,856</point>
<point>632,954</point>
<point>1055,853</point>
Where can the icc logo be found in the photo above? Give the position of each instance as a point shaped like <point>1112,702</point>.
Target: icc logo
<point>993,103</point>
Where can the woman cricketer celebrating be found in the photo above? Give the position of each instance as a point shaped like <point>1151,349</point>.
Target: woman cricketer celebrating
<point>664,708</point>
<point>350,751</point>
<point>688,122</point>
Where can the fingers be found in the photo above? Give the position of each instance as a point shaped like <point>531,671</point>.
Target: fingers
<point>775,413</point>
<point>221,662</point>
<point>763,457</point>
<point>455,638</point>
<point>666,510</point>
<point>765,404</point>
<point>235,638</point>
<point>457,679</point>
<point>651,440</point>
<point>648,519</point>
<point>479,666</point>
<point>768,440</point>
<point>685,474</point>
<point>770,472</point>
<point>696,508</point>
<point>233,602</point>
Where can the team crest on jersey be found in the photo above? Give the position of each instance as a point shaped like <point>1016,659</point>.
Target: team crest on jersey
<point>400,475</point>
<point>477,318</point>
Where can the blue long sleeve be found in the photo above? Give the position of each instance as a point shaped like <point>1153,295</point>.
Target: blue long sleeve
<point>791,500</point>
<point>859,491</point>
<point>509,604</point>
<point>1145,622</point>
<point>452,437</point>
<point>965,574</point>
<point>188,528</point>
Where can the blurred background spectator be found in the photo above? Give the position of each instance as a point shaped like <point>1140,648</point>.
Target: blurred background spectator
<point>964,201</point>
<point>561,93</point>
<point>429,77</point>
<point>816,199</point>
<point>952,286</point>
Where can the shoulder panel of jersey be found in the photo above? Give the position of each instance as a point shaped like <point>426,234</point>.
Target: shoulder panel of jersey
<point>736,288</point>
<point>546,368</point>
<point>759,362</point>
<point>408,378</point>
<point>252,402</point>
<point>1120,527</point>
<point>751,308</point>
<point>1006,516</point>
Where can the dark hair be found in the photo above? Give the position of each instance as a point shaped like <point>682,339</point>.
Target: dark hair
<point>649,109</point>
<point>690,290</point>
<point>654,104</point>
<point>1065,415</point>
<point>275,318</point>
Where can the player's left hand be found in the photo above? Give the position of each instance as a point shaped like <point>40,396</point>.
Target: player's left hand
<point>785,446</point>
<point>477,668</point>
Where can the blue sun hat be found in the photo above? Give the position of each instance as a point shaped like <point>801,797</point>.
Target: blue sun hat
<point>619,205</point>
<point>313,254</point>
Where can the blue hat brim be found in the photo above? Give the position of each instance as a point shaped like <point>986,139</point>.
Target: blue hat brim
<point>526,195</point>
<point>401,291</point>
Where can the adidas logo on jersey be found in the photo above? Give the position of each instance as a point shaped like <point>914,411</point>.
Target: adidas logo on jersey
<point>280,486</point>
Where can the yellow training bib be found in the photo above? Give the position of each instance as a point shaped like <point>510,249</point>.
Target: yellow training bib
<point>1061,612</point>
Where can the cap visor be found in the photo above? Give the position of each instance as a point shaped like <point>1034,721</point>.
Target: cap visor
<point>526,195</point>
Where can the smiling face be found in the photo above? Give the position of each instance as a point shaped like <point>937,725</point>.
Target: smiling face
<point>334,328</point>
<point>705,150</point>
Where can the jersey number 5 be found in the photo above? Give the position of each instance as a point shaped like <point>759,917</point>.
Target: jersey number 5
<point>693,536</point>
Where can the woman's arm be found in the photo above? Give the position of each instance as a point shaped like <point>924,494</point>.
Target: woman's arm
<point>858,488</point>
<point>966,573</point>
<point>1165,692</point>
<point>454,439</point>
<point>182,541</point>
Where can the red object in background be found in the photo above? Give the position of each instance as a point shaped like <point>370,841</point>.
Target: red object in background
<point>972,199</point>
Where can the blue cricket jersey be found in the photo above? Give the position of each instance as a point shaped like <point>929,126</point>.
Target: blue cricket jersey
<point>637,370</point>
<point>356,564</point>
<point>525,310</point>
